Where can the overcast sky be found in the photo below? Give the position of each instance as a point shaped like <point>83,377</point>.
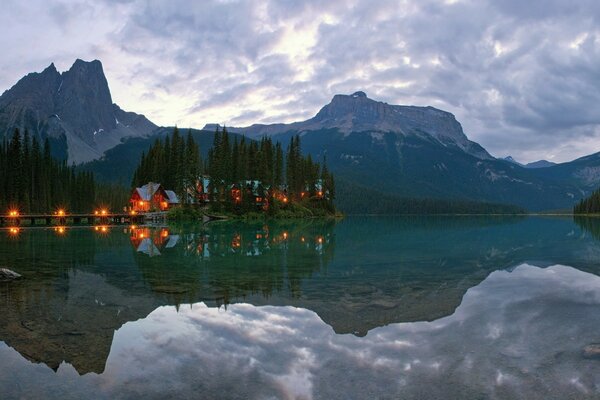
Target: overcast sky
<point>521,76</point>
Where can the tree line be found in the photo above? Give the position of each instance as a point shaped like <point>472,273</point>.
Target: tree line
<point>175,162</point>
<point>358,199</point>
<point>589,205</point>
<point>32,181</point>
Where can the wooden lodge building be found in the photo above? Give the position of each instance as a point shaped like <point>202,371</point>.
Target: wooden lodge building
<point>152,197</point>
<point>258,193</point>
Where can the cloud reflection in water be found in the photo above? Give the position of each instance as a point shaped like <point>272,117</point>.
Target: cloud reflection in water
<point>518,334</point>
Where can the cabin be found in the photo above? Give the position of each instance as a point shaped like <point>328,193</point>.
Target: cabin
<point>317,191</point>
<point>172,198</point>
<point>152,197</point>
<point>253,190</point>
<point>199,193</point>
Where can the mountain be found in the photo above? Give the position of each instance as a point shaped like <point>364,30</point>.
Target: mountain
<point>381,153</point>
<point>358,113</point>
<point>535,164</point>
<point>417,152</point>
<point>510,159</point>
<point>74,109</point>
<point>540,164</point>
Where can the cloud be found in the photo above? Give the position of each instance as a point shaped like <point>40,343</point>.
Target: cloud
<point>521,77</point>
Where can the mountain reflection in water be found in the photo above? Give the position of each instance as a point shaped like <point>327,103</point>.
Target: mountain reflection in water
<point>517,334</point>
<point>82,285</point>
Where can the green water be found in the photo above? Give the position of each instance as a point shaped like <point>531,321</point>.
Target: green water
<point>429,307</point>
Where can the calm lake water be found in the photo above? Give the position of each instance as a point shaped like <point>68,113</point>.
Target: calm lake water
<point>364,308</point>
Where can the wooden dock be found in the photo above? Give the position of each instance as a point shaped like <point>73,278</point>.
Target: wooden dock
<point>96,218</point>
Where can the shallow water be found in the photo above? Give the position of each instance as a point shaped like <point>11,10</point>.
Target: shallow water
<point>431,307</point>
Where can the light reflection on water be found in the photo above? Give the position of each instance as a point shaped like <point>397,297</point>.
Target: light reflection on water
<point>268,310</point>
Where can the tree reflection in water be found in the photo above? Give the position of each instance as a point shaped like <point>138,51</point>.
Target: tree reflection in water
<point>227,261</point>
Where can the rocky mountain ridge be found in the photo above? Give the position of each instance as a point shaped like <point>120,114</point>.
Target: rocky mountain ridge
<point>534,164</point>
<point>359,113</point>
<point>74,108</point>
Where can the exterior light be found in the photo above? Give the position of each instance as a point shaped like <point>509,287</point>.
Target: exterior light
<point>61,213</point>
<point>104,212</point>
<point>14,231</point>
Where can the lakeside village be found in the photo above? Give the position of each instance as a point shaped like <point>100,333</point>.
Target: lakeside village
<point>240,178</point>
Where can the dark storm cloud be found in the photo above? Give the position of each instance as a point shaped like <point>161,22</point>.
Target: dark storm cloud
<point>522,77</point>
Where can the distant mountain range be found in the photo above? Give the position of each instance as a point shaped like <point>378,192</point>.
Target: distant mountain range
<point>74,109</point>
<point>422,152</point>
<point>535,164</point>
<point>371,146</point>
<point>358,113</point>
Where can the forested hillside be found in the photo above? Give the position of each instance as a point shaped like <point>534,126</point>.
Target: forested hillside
<point>589,205</point>
<point>356,199</point>
<point>33,181</point>
<point>262,170</point>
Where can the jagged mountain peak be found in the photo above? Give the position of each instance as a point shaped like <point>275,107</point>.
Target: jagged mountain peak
<point>94,66</point>
<point>74,107</point>
<point>511,160</point>
<point>50,69</point>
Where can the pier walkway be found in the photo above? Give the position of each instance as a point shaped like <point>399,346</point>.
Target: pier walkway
<point>96,218</point>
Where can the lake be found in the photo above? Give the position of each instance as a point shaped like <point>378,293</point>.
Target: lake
<point>362,308</point>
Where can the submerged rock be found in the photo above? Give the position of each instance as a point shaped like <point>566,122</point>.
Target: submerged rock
<point>8,275</point>
<point>592,351</point>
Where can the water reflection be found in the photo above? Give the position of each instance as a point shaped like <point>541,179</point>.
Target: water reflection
<point>589,224</point>
<point>518,334</point>
<point>357,275</point>
<point>231,262</point>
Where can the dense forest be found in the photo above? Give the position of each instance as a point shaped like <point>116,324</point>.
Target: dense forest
<point>175,162</point>
<point>589,205</point>
<point>33,182</point>
<point>356,199</point>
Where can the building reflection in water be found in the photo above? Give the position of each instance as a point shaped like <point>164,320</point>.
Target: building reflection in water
<point>251,242</point>
<point>229,262</point>
<point>151,241</point>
